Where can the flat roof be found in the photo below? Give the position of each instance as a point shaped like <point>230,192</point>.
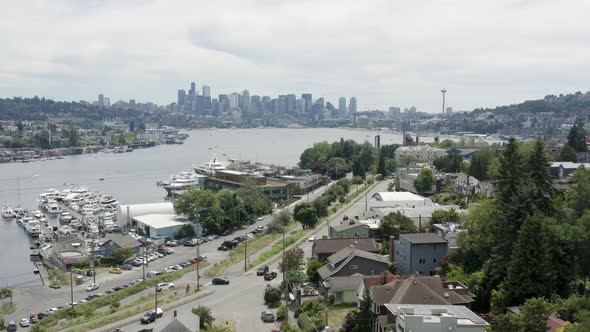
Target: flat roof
<point>161,220</point>
<point>423,238</point>
<point>398,196</point>
<point>463,314</point>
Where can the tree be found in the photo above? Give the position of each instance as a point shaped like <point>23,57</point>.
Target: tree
<point>233,208</point>
<point>395,224</point>
<point>20,127</point>
<point>284,217</point>
<point>358,169</point>
<point>293,261</point>
<point>582,245</point>
<point>538,169</point>
<point>444,216</point>
<point>202,206</point>
<point>424,181</point>
<point>567,153</point>
<point>576,137</point>
<point>272,297</point>
<point>451,163</point>
<point>506,323</point>
<point>480,164</point>
<point>578,194</point>
<point>120,255</point>
<point>381,165</point>
<point>312,269</point>
<point>306,214</point>
<point>205,317</point>
<point>42,139</point>
<point>360,319</point>
<point>530,270</point>
<point>256,203</point>
<point>534,313</point>
<point>132,126</point>
<point>73,137</point>
<point>186,231</point>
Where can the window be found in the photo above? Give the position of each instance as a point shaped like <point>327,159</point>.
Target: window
<point>354,267</point>
<point>431,273</point>
<point>434,260</point>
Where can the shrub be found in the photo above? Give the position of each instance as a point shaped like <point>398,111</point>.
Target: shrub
<point>205,316</point>
<point>282,312</point>
<point>272,297</point>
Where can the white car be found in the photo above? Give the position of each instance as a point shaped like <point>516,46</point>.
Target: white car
<point>92,287</point>
<point>164,286</point>
<point>311,238</point>
<point>25,322</point>
<point>52,310</point>
<point>260,218</point>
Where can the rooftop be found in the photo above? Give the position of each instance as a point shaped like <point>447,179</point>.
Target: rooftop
<point>123,241</point>
<point>398,196</point>
<point>334,245</point>
<point>343,256</point>
<point>463,314</point>
<point>161,220</point>
<point>423,238</point>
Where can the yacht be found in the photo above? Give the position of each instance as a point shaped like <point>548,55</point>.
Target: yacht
<point>33,227</point>
<point>7,213</point>
<point>107,200</point>
<point>191,181</point>
<point>209,168</point>
<point>65,216</point>
<point>52,207</point>
<point>90,209</point>
<point>37,214</point>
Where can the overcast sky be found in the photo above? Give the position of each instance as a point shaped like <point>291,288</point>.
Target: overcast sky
<point>389,52</point>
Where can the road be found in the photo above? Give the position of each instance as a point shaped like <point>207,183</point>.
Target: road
<point>41,298</point>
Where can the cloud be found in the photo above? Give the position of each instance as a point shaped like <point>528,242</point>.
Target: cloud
<point>384,52</point>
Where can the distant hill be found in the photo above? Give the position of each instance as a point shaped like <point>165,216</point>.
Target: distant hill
<point>42,109</point>
<point>571,104</point>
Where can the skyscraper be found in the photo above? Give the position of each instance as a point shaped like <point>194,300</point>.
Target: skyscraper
<point>193,89</point>
<point>308,101</point>
<point>342,105</point>
<point>352,105</point>
<point>291,102</point>
<point>234,100</point>
<point>245,99</point>
<point>100,100</point>
<point>181,96</point>
<point>206,91</point>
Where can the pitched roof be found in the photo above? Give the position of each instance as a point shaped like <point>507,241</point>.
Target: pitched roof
<point>339,259</point>
<point>554,322</point>
<point>344,283</point>
<point>123,241</point>
<point>347,225</point>
<point>327,246</point>
<point>175,326</point>
<point>423,238</point>
<point>371,281</point>
<point>418,290</point>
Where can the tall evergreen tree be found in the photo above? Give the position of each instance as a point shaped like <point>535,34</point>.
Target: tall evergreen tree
<point>510,173</point>
<point>538,164</point>
<point>576,138</point>
<point>381,165</point>
<point>530,272</point>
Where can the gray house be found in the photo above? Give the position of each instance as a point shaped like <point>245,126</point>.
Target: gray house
<point>349,261</point>
<point>419,253</point>
<point>349,229</point>
<point>114,241</point>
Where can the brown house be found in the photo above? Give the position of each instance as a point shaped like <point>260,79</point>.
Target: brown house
<point>324,248</point>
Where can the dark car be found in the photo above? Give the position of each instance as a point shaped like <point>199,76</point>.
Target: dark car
<point>198,259</point>
<point>230,244</point>
<point>134,263</point>
<point>267,316</point>
<point>220,281</point>
<point>190,243</point>
<point>117,288</point>
<point>238,239</point>
<point>42,315</point>
<point>222,248</point>
<point>127,267</point>
<point>262,271</point>
<point>150,316</point>
<point>185,264</point>
<point>270,275</point>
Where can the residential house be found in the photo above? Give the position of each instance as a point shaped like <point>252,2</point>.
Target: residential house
<point>343,289</point>
<point>433,318</point>
<point>324,248</point>
<point>419,253</point>
<point>183,322</point>
<point>370,281</point>
<point>352,228</point>
<point>349,261</point>
<point>450,232</point>
<point>416,290</point>
<point>113,241</point>
<point>554,322</point>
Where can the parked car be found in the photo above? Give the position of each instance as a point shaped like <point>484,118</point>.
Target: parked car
<point>222,248</point>
<point>116,270</point>
<point>311,238</point>
<point>185,264</point>
<point>42,315</point>
<point>92,287</point>
<point>33,318</point>
<point>262,271</point>
<point>171,243</point>
<point>25,322</point>
<point>220,281</point>
<point>190,243</point>
<point>230,244</point>
<point>267,316</point>
<point>150,316</point>
<point>11,326</point>
<point>134,263</point>
<point>260,218</point>
<point>270,275</point>
<point>261,228</point>
<point>126,267</point>
<point>198,259</point>
<point>164,286</point>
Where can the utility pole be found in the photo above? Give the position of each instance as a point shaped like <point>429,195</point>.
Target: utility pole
<point>142,260</point>
<point>246,254</point>
<point>286,281</point>
<point>198,258</point>
<point>156,307</point>
<point>72,290</point>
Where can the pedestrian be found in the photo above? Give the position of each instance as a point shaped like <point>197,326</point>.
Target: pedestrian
<point>175,292</point>
<point>175,313</point>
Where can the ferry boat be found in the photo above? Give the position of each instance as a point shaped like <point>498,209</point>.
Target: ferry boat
<point>209,168</point>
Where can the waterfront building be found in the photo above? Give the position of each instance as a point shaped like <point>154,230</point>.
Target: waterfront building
<point>229,179</point>
<point>422,153</point>
<point>160,227</point>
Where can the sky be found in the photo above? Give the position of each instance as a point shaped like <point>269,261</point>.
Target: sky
<point>383,52</point>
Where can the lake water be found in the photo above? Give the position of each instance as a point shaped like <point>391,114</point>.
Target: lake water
<point>131,177</point>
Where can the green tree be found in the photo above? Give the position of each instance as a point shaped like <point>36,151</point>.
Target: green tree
<point>186,231</point>
<point>293,260</point>
<point>451,163</point>
<point>233,207</point>
<point>120,255</point>
<point>205,317</point>
<point>567,153</point>
<point>73,137</point>
<point>506,323</point>
<point>358,169</point>
<point>530,272</point>
<point>362,318</point>
<point>444,216</point>
<point>272,297</point>
<point>381,165</point>
<point>312,269</point>
<point>202,206</point>
<point>576,137</point>
<point>480,164</point>
<point>424,181</point>
<point>42,139</point>
<point>256,203</point>
<point>534,313</point>
<point>581,237</point>
<point>395,224</point>
<point>141,127</point>
<point>306,214</point>
<point>578,194</point>
<point>284,217</point>
<point>538,168</point>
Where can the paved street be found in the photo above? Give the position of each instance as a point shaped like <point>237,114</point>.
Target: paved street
<point>41,298</point>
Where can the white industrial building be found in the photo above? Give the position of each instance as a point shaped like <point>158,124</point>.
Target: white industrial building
<point>433,318</point>
<point>421,153</point>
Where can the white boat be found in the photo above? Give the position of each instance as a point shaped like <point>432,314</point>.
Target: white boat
<point>33,227</point>
<point>52,208</point>
<point>37,214</point>
<point>90,209</point>
<point>209,168</point>
<point>7,213</point>
<point>192,181</point>
<point>75,224</point>
<point>107,200</point>
<point>65,216</point>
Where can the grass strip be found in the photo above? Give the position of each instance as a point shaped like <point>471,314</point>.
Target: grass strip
<point>277,248</point>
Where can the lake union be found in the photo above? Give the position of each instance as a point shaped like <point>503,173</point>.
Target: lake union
<point>131,177</point>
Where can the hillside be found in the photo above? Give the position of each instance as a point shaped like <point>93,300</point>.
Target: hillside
<point>565,105</point>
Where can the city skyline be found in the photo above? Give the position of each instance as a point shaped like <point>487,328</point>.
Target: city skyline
<point>395,53</point>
